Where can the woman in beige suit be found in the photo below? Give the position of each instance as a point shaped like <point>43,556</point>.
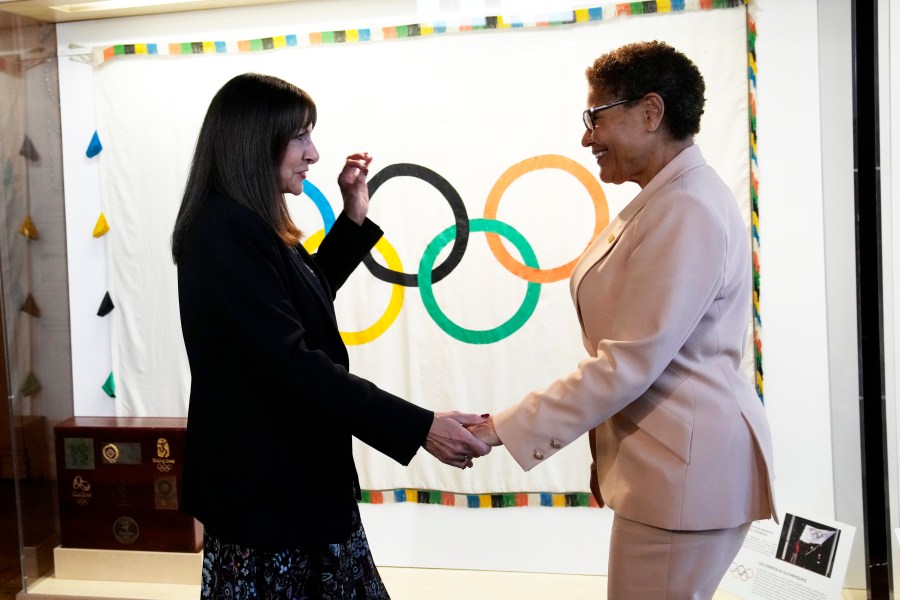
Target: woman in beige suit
<point>680,441</point>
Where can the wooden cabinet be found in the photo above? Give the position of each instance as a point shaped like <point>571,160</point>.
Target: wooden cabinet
<point>120,484</point>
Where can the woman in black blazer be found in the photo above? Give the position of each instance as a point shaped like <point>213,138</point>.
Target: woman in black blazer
<point>269,467</point>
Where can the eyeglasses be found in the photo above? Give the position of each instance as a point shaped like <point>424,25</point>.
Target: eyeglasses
<point>588,115</point>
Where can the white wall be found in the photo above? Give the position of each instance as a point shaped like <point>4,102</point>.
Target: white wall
<point>91,358</point>
<point>836,125</point>
<point>792,264</point>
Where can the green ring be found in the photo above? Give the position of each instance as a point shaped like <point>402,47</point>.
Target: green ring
<point>474,336</point>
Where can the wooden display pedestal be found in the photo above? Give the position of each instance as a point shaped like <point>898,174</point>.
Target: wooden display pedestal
<point>119,574</point>
<point>128,565</point>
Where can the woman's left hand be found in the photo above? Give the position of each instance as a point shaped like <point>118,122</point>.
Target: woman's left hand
<point>595,486</point>
<point>450,442</point>
<point>354,188</point>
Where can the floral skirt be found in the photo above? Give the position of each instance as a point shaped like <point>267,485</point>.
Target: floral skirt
<point>343,571</point>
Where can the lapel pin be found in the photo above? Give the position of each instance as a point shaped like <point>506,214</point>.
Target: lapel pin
<point>611,237</point>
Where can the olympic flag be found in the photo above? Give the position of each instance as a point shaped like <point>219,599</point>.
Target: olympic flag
<point>479,181</point>
<point>815,535</point>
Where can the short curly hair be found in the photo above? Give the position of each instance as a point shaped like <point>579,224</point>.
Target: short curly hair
<point>634,70</point>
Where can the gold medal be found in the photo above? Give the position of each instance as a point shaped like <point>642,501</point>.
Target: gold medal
<point>110,453</point>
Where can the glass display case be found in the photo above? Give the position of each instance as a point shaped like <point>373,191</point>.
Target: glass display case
<point>37,378</point>
<point>36,330</point>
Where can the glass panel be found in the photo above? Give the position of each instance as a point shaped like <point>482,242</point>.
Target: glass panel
<point>35,324</point>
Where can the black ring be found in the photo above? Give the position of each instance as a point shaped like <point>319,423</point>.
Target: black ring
<point>460,216</point>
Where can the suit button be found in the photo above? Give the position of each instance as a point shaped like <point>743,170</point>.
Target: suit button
<point>538,455</point>
<point>555,444</point>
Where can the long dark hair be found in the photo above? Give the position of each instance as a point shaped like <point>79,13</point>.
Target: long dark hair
<point>242,140</point>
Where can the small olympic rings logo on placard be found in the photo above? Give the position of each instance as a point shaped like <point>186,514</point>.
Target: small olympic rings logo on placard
<point>741,572</point>
<point>458,234</point>
<point>81,491</point>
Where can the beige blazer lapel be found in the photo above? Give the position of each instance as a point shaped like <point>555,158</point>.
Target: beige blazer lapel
<point>599,249</point>
<point>689,158</point>
<point>604,242</point>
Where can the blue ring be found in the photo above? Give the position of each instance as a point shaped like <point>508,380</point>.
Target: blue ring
<point>321,203</point>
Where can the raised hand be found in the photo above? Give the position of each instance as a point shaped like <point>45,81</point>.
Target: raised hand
<point>485,432</point>
<point>354,188</point>
<point>450,442</point>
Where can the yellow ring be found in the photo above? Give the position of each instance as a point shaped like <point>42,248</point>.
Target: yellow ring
<point>356,338</point>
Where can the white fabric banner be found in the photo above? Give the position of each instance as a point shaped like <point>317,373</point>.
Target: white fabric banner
<point>494,114</point>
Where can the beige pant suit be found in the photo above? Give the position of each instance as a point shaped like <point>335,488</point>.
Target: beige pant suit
<point>682,441</point>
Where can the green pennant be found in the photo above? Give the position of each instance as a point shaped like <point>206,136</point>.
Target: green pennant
<point>110,386</point>
<point>30,386</point>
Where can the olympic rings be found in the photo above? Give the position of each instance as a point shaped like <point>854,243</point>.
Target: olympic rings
<point>472,336</point>
<point>355,338</point>
<point>461,239</point>
<point>427,275</point>
<point>547,161</point>
<point>741,572</point>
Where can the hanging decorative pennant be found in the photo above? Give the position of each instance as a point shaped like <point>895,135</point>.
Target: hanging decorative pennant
<point>102,227</point>
<point>109,386</point>
<point>30,386</point>
<point>106,306</point>
<point>30,307</point>
<point>94,147</point>
<point>29,151</point>
<point>28,229</point>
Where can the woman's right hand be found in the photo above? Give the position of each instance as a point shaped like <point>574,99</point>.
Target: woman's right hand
<point>354,187</point>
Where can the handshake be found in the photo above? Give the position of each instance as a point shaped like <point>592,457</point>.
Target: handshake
<point>457,439</point>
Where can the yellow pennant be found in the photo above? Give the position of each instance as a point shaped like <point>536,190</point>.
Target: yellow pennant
<point>28,229</point>
<point>102,227</point>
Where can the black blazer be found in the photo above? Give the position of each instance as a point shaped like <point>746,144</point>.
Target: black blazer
<point>273,405</point>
